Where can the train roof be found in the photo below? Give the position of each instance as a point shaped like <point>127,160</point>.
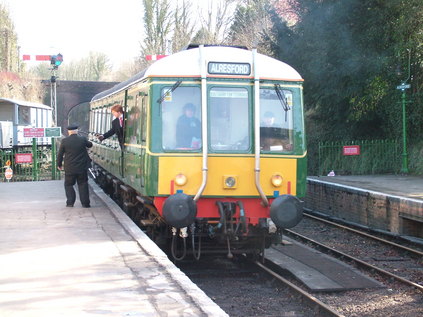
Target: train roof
<point>24,103</point>
<point>187,64</point>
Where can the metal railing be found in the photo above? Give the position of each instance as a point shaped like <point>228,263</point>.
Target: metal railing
<point>375,157</point>
<point>41,167</point>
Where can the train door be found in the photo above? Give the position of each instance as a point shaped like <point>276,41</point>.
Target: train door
<point>143,137</point>
<point>131,149</point>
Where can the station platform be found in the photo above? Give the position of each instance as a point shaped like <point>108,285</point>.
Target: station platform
<point>393,185</point>
<point>391,203</point>
<point>74,261</point>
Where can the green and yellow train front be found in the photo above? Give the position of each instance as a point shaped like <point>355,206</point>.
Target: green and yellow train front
<point>230,166</point>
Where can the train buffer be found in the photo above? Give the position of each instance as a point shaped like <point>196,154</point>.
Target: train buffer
<point>62,261</point>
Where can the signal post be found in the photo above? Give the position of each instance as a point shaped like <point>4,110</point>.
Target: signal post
<point>55,62</point>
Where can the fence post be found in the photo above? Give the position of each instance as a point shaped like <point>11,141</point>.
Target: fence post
<point>319,160</point>
<point>34,160</point>
<point>53,159</point>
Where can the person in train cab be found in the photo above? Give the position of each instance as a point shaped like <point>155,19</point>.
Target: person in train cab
<point>271,134</point>
<point>268,120</point>
<point>73,153</point>
<point>117,125</point>
<point>188,128</point>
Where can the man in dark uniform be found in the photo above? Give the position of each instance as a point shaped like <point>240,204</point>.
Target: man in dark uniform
<point>188,128</point>
<point>117,125</point>
<point>76,164</point>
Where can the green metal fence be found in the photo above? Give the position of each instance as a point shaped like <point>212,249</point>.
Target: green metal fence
<point>375,157</point>
<point>42,164</point>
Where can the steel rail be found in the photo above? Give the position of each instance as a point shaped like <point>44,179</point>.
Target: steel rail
<point>413,251</point>
<point>359,262</point>
<point>324,310</point>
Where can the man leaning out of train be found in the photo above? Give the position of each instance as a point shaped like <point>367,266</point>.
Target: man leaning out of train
<point>117,125</point>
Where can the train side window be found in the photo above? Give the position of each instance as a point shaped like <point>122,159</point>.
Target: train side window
<point>92,122</point>
<point>97,120</point>
<point>276,120</point>
<point>24,115</point>
<point>101,120</point>
<point>132,118</point>
<point>143,118</point>
<point>95,123</point>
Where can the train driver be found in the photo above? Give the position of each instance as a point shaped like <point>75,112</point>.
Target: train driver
<point>268,120</point>
<point>188,129</point>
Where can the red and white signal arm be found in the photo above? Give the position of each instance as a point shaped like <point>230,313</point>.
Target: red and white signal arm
<point>154,57</point>
<point>8,173</point>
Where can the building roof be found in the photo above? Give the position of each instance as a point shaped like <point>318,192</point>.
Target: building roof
<point>24,103</point>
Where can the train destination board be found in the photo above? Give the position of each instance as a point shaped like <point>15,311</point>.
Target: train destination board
<point>229,68</point>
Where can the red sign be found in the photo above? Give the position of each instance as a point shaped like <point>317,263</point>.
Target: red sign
<point>351,150</point>
<point>23,158</point>
<point>8,173</point>
<point>33,132</point>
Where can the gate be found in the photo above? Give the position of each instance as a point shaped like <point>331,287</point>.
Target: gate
<point>29,163</point>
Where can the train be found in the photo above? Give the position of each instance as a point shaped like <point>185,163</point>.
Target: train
<point>214,155</point>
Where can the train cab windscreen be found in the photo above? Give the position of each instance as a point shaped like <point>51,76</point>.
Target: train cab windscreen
<point>181,118</point>
<point>229,119</point>
<point>276,120</point>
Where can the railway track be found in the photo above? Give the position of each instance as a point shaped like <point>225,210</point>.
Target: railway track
<point>320,308</point>
<point>241,288</point>
<point>412,251</point>
<point>364,251</point>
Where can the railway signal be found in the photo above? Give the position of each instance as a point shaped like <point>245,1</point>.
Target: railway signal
<point>56,60</point>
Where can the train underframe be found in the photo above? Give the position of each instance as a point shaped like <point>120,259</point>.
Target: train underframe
<point>230,233</point>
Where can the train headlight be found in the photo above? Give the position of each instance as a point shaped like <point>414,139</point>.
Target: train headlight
<point>229,182</point>
<point>180,179</point>
<point>277,180</point>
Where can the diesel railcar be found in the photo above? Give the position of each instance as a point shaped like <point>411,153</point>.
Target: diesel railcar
<point>214,154</point>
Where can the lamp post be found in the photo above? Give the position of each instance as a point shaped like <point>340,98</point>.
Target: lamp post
<point>403,86</point>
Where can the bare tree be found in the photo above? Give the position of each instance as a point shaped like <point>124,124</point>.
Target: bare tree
<point>99,65</point>
<point>252,23</point>
<point>125,71</point>
<point>157,24</point>
<point>9,51</point>
<point>184,28</point>
<point>215,23</point>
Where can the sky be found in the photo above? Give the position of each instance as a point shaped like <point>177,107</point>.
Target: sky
<point>76,27</point>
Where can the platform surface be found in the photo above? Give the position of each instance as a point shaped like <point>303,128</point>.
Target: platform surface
<point>395,185</point>
<point>319,272</point>
<point>60,261</point>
